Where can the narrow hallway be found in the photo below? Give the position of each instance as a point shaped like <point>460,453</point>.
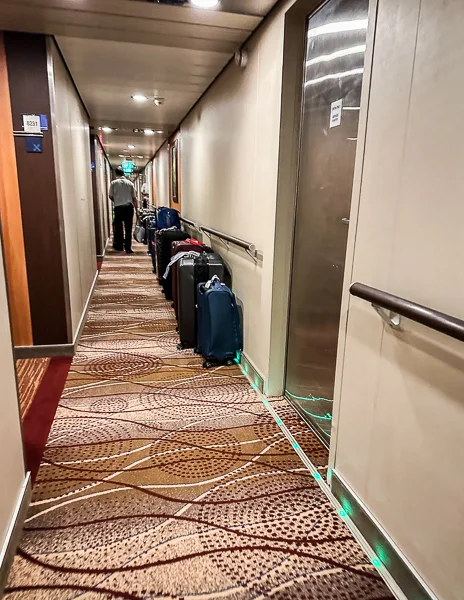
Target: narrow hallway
<point>161,480</point>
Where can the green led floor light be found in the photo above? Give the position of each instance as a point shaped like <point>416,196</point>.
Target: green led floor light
<point>308,398</point>
<point>347,507</point>
<point>381,552</point>
<point>326,417</point>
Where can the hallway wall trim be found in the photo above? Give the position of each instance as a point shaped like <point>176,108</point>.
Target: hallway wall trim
<point>402,571</point>
<point>58,349</point>
<point>255,378</point>
<point>294,45</point>
<point>102,256</point>
<point>8,551</point>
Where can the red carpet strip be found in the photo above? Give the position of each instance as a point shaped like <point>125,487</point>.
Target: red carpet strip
<point>39,418</point>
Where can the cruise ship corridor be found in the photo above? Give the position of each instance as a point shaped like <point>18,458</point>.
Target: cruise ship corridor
<point>163,480</point>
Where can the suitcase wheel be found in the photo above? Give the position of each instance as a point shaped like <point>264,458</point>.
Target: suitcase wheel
<point>180,346</point>
<point>230,362</point>
<point>177,329</point>
<point>207,364</point>
<point>197,351</point>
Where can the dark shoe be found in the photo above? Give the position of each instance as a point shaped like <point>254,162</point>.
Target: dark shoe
<point>130,252</point>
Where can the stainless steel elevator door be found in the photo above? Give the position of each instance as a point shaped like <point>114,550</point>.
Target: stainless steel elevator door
<point>336,43</point>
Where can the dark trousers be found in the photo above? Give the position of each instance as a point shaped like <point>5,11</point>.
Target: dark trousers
<point>123,221</point>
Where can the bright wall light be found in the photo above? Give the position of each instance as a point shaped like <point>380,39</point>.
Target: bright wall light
<point>106,129</point>
<point>131,146</point>
<point>148,132</point>
<point>204,3</point>
<point>338,27</point>
<point>139,98</point>
<point>338,54</point>
<point>335,76</point>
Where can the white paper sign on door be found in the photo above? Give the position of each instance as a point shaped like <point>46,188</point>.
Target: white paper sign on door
<point>31,124</point>
<point>336,113</point>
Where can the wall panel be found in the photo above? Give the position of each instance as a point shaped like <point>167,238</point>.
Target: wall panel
<point>73,166</point>
<point>161,176</point>
<point>401,406</point>
<point>229,163</point>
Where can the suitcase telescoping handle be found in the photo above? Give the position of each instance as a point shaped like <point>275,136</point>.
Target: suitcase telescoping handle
<point>214,279</point>
<point>214,282</point>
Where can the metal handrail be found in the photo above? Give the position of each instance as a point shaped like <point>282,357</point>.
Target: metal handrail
<point>189,222</point>
<point>438,321</point>
<point>225,238</point>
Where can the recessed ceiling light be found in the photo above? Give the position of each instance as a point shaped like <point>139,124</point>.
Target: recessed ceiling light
<point>139,98</point>
<point>158,101</point>
<point>139,156</point>
<point>106,129</point>
<point>204,3</point>
<point>148,132</point>
<point>159,131</point>
<point>130,146</point>
<point>122,156</point>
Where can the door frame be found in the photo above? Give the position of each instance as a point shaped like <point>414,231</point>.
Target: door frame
<point>287,189</point>
<point>175,146</point>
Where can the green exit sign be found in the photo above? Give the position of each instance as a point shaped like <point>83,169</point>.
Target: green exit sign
<point>128,167</point>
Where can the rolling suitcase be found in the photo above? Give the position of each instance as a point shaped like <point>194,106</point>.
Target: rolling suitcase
<point>191,272</point>
<point>220,338</point>
<point>167,218</point>
<point>164,238</point>
<point>189,245</point>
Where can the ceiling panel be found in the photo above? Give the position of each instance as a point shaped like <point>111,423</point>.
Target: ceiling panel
<point>117,48</point>
<point>108,73</point>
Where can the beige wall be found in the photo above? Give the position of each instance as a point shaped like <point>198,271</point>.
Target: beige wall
<point>400,414</point>
<point>148,179</point>
<point>161,175</point>
<point>101,166</point>
<point>72,160</point>
<point>229,156</point>
<point>12,463</point>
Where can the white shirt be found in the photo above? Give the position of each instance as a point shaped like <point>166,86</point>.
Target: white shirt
<point>122,191</point>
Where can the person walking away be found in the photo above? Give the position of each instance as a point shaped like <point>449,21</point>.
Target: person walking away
<point>122,195</point>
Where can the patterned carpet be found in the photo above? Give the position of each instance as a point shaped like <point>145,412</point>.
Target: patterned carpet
<point>161,480</point>
<point>29,372</point>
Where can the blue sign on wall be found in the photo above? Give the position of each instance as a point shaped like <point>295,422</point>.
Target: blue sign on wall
<point>34,144</point>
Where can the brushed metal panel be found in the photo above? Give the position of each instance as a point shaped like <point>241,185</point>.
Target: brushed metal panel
<point>334,72</point>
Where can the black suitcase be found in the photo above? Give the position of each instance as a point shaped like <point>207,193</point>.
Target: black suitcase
<point>164,238</point>
<point>190,273</point>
